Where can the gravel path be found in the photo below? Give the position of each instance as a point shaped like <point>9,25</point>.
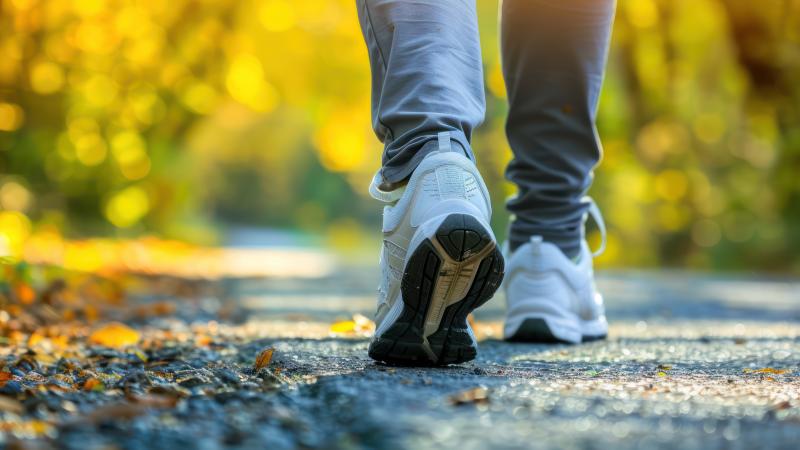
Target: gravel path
<point>691,362</point>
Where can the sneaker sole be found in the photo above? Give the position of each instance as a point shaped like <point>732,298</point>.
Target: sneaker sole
<point>536,331</point>
<point>432,329</point>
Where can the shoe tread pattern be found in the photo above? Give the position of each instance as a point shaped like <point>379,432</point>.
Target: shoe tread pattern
<point>461,236</point>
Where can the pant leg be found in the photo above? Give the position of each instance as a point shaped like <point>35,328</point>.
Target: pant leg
<point>427,76</point>
<point>554,55</point>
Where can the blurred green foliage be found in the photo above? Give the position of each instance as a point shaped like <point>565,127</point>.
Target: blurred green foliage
<point>121,117</point>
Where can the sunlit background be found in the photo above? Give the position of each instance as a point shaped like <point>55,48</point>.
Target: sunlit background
<point>221,121</point>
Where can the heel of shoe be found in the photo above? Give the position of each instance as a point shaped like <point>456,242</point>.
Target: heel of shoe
<point>456,268</point>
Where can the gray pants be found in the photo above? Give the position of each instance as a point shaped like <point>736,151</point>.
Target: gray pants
<point>427,77</point>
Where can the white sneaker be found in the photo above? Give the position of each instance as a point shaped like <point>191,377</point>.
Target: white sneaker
<point>439,261</point>
<point>552,298</point>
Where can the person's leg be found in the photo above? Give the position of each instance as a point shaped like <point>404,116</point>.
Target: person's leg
<point>440,259</point>
<point>554,55</point>
<point>427,77</point>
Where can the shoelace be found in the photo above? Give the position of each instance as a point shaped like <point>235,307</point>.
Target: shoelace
<point>594,213</point>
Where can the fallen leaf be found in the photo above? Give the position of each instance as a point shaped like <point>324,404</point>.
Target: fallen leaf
<point>359,324</point>
<point>140,354</point>
<point>114,334</point>
<point>475,396</point>
<point>35,339</point>
<point>263,359</point>
<point>769,370</point>
<point>4,377</point>
<point>345,326</point>
<point>94,385</point>
<point>60,341</point>
<point>202,340</point>
<point>662,374</point>
<point>25,293</point>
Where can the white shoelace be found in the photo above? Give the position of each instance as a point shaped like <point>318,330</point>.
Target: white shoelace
<point>594,213</point>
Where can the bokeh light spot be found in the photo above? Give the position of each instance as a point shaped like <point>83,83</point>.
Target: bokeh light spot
<point>129,150</point>
<point>246,84</point>
<point>11,117</point>
<point>100,90</point>
<point>127,207</point>
<point>46,77</point>
<point>91,149</point>
<point>709,128</point>
<point>15,197</point>
<point>342,142</point>
<point>706,233</point>
<point>199,97</point>
<point>15,228</point>
<point>671,185</point>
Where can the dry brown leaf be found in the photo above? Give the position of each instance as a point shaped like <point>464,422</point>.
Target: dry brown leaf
<point>769,370</point>
<point>5,377</point>
<point>93,384</point>
<point>475,396</point>
<point>25,293</point>
<point>263,359</point>
<point>114,334</point>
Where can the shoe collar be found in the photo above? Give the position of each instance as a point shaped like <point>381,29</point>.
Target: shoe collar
<point>537,246</point>
<point>444,139</point>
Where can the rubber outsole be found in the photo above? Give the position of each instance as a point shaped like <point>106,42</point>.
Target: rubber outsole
<point>462,244</point>
<point>536,331</point>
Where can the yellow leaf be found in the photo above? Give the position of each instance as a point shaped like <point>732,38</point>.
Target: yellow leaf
<point>114,334</point>
<point>767,370</point>
<point>35,339</point>
<point>345,326</point>
<point>139,354</point>
<point>61,341</point>
<point>263,359</point>
<point>358,325</point>
<point>662,374</point>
